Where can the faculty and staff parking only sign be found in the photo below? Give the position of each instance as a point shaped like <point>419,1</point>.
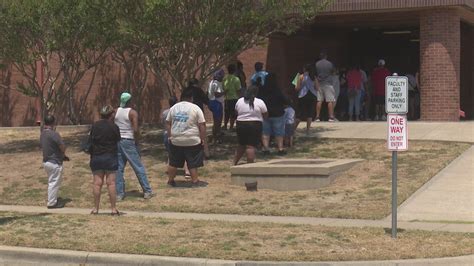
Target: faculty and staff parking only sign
<point>396,95</point>
<point>397,132</point>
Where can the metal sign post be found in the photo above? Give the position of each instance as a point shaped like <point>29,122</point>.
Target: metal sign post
<point>396,106</point>
<point>394,194</point>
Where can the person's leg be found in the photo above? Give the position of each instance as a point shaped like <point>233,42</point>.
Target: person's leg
<point>331,110</point>
<point>171,173</point>
<point>357,105</point>
<point>186,170</point>
<point>131,152</point>
<point>226,114</point>
<point>351,107</point>
<point>279,140</point>
<point>194,175</point>
<point>278,129</point>
<point>54,172</point>
<point>110,181</point>
<point>176,160</point>
<point>250,152</point>
<point>97,187</point>
<point>291,141</point>
<point>266,132</point>
<point>233,115</point>
<point>319,104</point>
<point>238,154</point>
<point>119,180</point>
<point>266,142</point>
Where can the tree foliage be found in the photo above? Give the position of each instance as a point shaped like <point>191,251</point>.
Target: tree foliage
<point>63,40</point>
<point>174,40</point>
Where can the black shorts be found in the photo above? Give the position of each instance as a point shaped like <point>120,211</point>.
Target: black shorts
<point>104,162</point>
<point>193,155</point>
<point>379,99</point>
<point>230,108</point>
<point>306,106</point>
<point>249,132</point>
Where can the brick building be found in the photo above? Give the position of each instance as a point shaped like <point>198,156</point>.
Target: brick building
<point>434,37</point>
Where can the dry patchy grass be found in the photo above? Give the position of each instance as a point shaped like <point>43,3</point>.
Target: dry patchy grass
<point>362,192</point>
<point>225,240</point>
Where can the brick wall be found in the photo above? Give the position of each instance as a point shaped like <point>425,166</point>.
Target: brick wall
<point>440,64</point>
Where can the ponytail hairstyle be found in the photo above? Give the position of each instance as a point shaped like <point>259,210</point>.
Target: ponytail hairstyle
<point>249,95</point>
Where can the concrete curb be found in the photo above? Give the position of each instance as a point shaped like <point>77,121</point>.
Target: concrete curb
<point>38,256</point>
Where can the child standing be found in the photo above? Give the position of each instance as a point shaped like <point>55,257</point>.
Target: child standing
<point>289,125</point>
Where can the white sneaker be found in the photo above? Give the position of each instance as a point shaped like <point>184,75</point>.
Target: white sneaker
<point>317,120</point>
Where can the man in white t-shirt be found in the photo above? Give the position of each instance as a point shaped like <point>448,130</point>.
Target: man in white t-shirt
<point>186,129</point>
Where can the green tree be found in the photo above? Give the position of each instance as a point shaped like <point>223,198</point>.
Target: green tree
<point>61,39</point>
<point>190,38</point>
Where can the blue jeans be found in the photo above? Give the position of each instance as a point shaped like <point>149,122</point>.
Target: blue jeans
<point>128,151</point>
<point>354,101</point>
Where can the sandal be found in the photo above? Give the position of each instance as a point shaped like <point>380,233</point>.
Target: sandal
<point>116,213</point>
<point>94,212</point>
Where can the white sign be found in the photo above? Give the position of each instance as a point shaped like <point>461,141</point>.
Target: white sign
<point>396,95</point>
<point>397,132</point>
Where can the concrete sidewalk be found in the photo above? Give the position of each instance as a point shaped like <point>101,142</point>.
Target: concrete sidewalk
<point>13,256</point>
<point>430,226</point>
<point>443,131</point>
<point>447,196</point>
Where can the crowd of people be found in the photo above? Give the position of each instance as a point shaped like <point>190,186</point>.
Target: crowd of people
<point>260,114</point>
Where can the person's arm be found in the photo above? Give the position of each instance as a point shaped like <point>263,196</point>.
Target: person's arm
<point>316,84</point>
<point>299,81</point>
<point>62,147</point>
<point>168,128</point>
<point>203,136</point>
<point>133,117</point>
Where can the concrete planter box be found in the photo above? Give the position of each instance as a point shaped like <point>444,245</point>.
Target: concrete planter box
<point>291,174</point>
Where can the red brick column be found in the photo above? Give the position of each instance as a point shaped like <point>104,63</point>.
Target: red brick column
<point>440,41</point>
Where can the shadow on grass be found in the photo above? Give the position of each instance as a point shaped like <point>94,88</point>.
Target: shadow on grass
<point>21,146</point>
<point>8,219</point>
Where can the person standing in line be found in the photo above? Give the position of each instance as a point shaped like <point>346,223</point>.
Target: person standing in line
<point>289,125</point>
<point>171,101</point>
<point>250,114</point>
<point>354,90</point>
<point>231,88</point>
<point>307,87</point>
<point>186,129</point>
<point>215,93</point>
<point>378,82</point>
<point>126,118</point>
<point>54,150</point>
<point>104,138</point>
<point>199,96</point>
<point>259,75</point>
<point>324,69</point>
<point>337,88</point>
<point>242,77</point>
<point>274,125</point>
<point>364,105</point>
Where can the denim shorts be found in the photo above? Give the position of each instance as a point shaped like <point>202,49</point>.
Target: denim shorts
<point>289,130</point>
<point>274,126</point>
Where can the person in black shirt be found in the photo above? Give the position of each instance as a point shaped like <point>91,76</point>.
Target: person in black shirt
<point>104,137</point>
<point>199,96</point>
<point>274,125</point>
